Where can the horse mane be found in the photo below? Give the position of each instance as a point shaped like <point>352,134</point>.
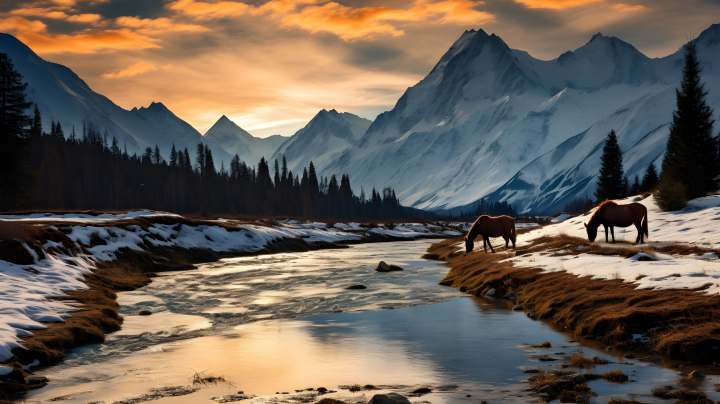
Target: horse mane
<point>601,208</point>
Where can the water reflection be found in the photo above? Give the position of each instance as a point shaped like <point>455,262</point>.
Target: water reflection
<point>461,346</point>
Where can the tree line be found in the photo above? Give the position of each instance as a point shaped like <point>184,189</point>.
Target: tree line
<point>486,207</point>
<point>88,170</point>
<point>691,164</point>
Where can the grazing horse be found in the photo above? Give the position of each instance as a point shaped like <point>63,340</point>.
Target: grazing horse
<point>610,214</point>
<point>486,226</point>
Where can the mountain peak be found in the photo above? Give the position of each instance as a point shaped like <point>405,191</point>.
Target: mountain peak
<point>594,37</point>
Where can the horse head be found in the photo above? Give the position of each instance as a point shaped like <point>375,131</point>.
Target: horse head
<point>591,232</point>
<point>469,245</point>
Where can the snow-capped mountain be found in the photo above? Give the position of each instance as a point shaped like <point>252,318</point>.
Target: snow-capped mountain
<point>64,97</point>
<point>235,140</point>
<point>492,121</point>
<point>322,140</point>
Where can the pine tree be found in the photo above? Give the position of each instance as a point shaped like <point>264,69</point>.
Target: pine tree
<point>691,156</point>
<point>200,159</point>
<point>277,174</point>
<point>284,175</point>
<point>36,129</point>
<point>58,131</point>
<point>156,156</point>
<point>650,179</point>
<point>635,189</point>
<point>313,180</point>
<point>15,175</point>
<point>73,136</point>
<point>115,149</point>
<point>209,163</point>
<point>173,157</point>
<point>610,178</point>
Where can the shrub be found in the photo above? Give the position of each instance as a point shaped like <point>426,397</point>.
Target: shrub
<point>671,195</point>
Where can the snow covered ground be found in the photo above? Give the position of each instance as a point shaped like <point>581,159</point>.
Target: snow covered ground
<point>24,297</point>
<point>694,225</point>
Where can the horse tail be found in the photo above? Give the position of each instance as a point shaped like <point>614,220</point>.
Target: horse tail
<point>645,225</point>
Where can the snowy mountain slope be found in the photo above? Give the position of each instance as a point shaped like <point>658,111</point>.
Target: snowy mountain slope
<point>489,120</point>
<point>327,135</point>
<point>235,140</point>
<point>64,97</point>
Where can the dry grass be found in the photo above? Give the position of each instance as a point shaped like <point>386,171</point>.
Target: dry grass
<point>615,400</point>
<point>580,361</point>
<point>545,344</point>
<point>683,396</point>
<point>608,310</point>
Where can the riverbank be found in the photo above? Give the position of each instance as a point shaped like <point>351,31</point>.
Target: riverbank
<point>659,298</point>
<point>66,270</point>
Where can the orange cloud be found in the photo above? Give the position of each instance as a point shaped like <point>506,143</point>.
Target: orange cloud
<point>35,35</point>
<point>625,7</point>
<point>368,22</point>
<point>348,23</point>
<point>55,14</point>
<point>208,11</point>
<point>132,70</point>
<point>556,4</point>
<point>158,25</point>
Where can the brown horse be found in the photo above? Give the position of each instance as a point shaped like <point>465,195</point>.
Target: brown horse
<point>486,226</point>
<point>610,214</point>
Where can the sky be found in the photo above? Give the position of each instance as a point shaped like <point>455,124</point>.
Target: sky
<point>270,66</point>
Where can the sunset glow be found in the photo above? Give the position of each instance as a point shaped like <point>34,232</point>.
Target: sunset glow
<point>273,64</point>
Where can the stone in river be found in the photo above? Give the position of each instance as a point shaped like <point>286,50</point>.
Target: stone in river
<point>384,267</point>
<point>356,287</point>
<point>145,312</point>
<point>518,307</point>
<point>390,398</point>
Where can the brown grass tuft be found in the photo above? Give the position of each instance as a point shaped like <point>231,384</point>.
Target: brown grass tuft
<point>580,361</point>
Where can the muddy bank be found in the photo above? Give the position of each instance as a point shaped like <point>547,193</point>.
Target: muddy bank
<point>683,326</point>
<point>97,309</point>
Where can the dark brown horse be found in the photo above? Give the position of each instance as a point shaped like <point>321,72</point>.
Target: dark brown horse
<point>486,226</point>
<point>610,214</point>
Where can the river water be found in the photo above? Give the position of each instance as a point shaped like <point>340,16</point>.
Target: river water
<point>275,324</point>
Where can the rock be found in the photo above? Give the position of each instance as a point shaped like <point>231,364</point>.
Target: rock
<point>510,296</point>
<point>517,307</point>
<point>384,267</point>
<point>35,382</point>
<point>490,293</point>
<point>469,395</point>
<point>609,349</point>
<point>322,390</point>
<point>628,356</point>
<point>431,256</point>
<point>356,287</point>
<point>645,258</point>
<point>145,312</point>
<point>390,398</point>
<point>578,379</point>
<point>549,390</point>
<point>422,390</point>
<point>532,316</point>
<point>697,373</point>
<point>582,399</point>
<point>532,371</point>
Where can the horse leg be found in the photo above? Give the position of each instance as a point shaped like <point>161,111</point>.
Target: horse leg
<point>612,231</point>
<point>606,233</point>
<point>639,237</point>
<point>507,240</point>
<point>491,249</point>
<point>485,243</point>
<point>641,233</point>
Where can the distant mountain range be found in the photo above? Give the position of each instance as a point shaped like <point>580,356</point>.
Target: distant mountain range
<point>487,121</point>
<point>490,121</point>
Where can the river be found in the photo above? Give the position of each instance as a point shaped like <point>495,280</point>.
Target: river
<point>279,323</point>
